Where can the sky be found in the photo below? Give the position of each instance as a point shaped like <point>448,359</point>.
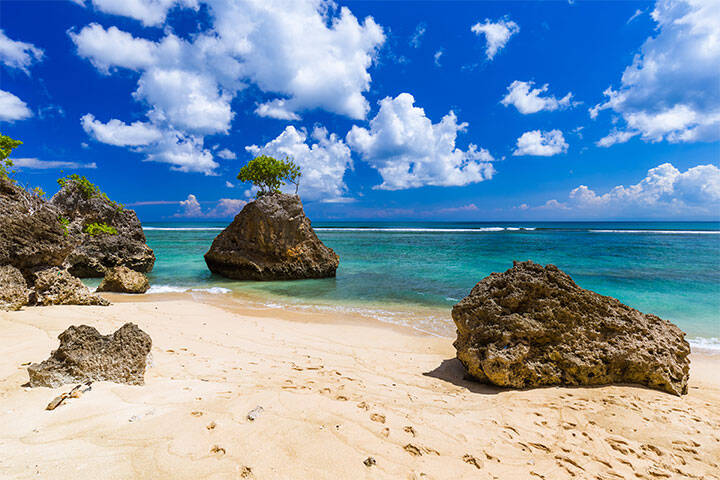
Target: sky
<point>397,110</point>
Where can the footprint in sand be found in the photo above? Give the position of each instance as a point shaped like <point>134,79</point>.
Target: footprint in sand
<point>377,417</point>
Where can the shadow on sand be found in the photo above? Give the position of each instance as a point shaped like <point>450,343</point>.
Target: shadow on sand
<point>452,371</point>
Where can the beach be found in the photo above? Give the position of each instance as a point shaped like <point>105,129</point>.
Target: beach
<point>334,390</point>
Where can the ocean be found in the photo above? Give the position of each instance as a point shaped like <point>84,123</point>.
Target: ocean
<point>412,273</point>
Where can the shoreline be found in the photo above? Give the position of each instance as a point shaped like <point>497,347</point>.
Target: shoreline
<point>334,391</point>
<point>244,301</point>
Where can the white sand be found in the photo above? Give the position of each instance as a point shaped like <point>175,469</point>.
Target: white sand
<point>333,393</point>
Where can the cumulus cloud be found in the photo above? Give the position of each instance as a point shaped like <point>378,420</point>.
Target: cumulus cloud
<point>541,143</point>
<point>184,153</point>
<point>323,159</point>
<point>120,133</point>
<point>410,151</point>
<point>530,100</point>
<point>308,54</point>
<point>496,34</point>
<point>225,207</point>
<point>664,192</point>
<point>670,91</point>
<point>12,108</point>
<point>36,164</point>
<point>16,54</point>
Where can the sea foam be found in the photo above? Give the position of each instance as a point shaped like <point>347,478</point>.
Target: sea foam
<point>174,289</point>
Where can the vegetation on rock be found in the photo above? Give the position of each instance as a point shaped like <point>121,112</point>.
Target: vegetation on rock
<point>7,145</point>
<point>94,229</point>
<point>88,189</point>
<point>268,174</point>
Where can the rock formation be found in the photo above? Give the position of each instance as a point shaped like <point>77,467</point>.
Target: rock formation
<point>85,355</point>
<point>13,288</point>
<point>31,234</point>
<point>271,239</point>
<point>532,326</point>
<point>82,204</point>
<point>56,286</point>
<point>123,280</point>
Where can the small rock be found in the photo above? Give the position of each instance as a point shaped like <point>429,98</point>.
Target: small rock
<point>121,279</point>
<point>369,461</point>
<point>56,286</point>
<point>85,355</point>
<point>254,413</point>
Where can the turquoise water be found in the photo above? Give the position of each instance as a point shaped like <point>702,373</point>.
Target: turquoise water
<point>414,272</point>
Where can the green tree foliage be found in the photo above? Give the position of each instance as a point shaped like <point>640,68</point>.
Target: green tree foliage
<point>7,145</point>
<point>269,174</point>
<point>94,229</point>
<point>65,222</point>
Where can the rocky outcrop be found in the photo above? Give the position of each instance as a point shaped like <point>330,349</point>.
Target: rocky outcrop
<point>85,355</point>
<point>13,288</point>
<point>31,234</point>
<point>532,326</point>
<point>82,204</point>
<point>56,286</point>
<point>123,280</point>
<point>271,239</point>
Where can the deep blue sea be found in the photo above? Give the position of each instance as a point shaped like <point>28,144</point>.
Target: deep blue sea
<point>412,273</point>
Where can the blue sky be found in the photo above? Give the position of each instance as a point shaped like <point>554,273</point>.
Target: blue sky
<point>395,110</point>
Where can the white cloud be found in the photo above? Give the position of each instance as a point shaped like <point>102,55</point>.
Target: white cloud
<point>112,48</point>
<point>670,91</point>
<point>616,136</point>
<point>226,154</point>
<point>635,15</point>
<point>16,54</point>
<point>529,100</point>
<point>416,38</point>
<point>664,192</point>
<point>120,133</point>
<point>496,34</point>
<point>225,207</point>
<point>149,12</point>
<point>410,151</point>
<point>308,53</point>
<point>12,108</point>
<point>323,163</point>
<point>36,164</point>
<point>190,207</point>
<point>542,144</point>
<point>185,153</point>
<point>437,56</point>
<point>229,184</point>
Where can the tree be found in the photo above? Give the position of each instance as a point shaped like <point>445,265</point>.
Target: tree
<point>7,145</point>
<point>269,174</point>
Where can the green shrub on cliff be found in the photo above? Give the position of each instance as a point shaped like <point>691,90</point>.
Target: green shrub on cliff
<point>94,229</point>
<point>88,189</point>
<point>7,145</point>
<point>65,222</point>
<point>268,174</point>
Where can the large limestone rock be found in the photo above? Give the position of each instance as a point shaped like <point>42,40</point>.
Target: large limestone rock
<point>94,254</point>
<point>271,239</point>
<point>56,286</point>
<point>85,355</point>
<point>123,280</point>
<point>533,326</point>
<point>13,288</point>
<point>31,234</point>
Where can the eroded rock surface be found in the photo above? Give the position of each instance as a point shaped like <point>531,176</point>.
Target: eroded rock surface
<point>532,326</point>
<point>123,280</point>
<point>94,254</point>
<point>56,286</point>
<point>86,355</point>
<point>271,239</point>
<point>13,288</point>
<point>31,234</point>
